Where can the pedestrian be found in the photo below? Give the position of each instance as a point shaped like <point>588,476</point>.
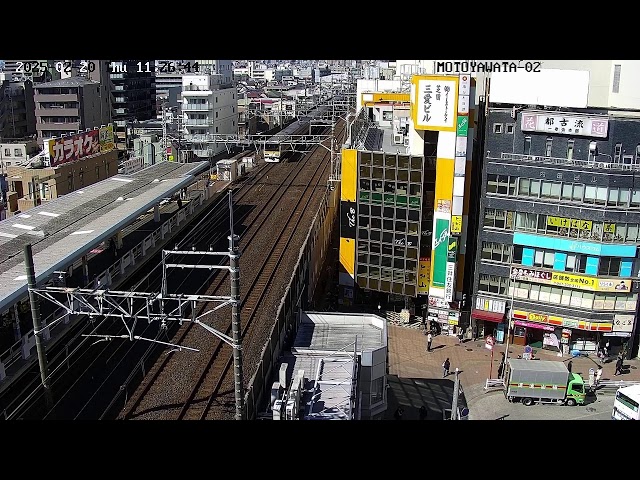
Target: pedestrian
<point>398,413</point>
<point>179,202</point>
<point>113,247</point>
<point>598,375</point>
<point>460,335</point>
<point>423,412</point>
<point>570,365</point>
<point>618,366</point>
<point>445,367</point>
<point>429,340</point>
<point>501,366</point>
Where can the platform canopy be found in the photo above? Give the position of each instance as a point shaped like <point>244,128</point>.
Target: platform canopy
<point>63,230</point>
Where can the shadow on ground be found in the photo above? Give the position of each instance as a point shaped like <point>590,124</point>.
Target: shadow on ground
<point>435,394</point>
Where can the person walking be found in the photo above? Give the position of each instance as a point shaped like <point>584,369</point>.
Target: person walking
<point>570,365</point>
<point>445,367</point>
<point>501,366</point>
<point>429,340</point>
<point>423,412</point>
<point>598,375</point>
<point>618,366</point>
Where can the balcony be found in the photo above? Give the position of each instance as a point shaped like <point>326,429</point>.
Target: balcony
<point>63,97</point>
<point>192,122</point>
<point>57,112</point>
<point>196,88</point>
<point>47,127</point>
<point>599,162</point>
<point>195,106</point>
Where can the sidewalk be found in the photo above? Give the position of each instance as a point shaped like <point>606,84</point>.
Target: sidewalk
<point>408,358</point>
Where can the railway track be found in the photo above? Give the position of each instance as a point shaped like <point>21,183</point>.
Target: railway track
<point>78,366</point>
<point>190,388</point>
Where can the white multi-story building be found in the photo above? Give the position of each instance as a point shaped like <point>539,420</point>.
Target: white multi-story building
<point>209,106</point>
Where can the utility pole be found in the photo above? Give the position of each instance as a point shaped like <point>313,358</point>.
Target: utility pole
<point>456,393</point>
<point>234,256</point>
<point>38,331</point>
<point>164,133</point>
<point>509,322</point>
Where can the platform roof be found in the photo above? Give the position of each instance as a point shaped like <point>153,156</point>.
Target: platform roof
<point>64,229</point>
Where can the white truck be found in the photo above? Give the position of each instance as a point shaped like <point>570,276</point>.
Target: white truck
<point>540,381</point>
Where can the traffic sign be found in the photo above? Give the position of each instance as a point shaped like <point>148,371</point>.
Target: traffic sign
<point>489,342</point>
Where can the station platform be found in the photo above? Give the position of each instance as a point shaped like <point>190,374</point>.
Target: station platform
<point>141,227</point>
<point>63,230</point>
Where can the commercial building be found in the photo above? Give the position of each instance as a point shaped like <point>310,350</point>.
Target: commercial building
<point>406,175</point>
<point>68,106</point>
<point>559,215</point>
<point>67,164</point>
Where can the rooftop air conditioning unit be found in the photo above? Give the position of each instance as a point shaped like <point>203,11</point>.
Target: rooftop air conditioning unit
<point>406,141</point>
<point>397,138</point>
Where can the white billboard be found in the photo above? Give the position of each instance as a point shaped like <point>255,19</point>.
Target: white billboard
<point>450,279</point>
<point>551,87</point>
<point>435,102</point>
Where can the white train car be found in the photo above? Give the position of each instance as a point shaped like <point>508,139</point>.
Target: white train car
<point>275,148</point>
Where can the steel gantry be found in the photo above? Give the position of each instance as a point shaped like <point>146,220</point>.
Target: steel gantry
<point>162,307</point>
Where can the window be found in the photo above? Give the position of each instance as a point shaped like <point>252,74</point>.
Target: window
<point>548,259</point>
<point>527,145</point>
<point>548,146</point>
<point>578,190</point>
<point>523,186</point>
<point>377,388</point>
<point>17,152</point>
<point>617,153</point>
<point>593,150</point>
<point>570,143</point>
<point>7,152</point>
<point>615,87</point>
<point>534,189</point>
<point>567,190</point>
<point>510,128</point>
<point>609,266</point>
<point>497,128</point>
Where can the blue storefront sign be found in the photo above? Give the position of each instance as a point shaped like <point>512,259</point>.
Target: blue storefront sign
<point>565,245</point>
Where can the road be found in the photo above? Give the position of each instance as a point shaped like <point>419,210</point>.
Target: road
<point>494,406</point>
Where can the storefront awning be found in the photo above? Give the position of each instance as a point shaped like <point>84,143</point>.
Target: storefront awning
<point>487,316</point>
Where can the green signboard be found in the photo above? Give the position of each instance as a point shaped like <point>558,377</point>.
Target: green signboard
<point>463,126</point>
<point>441,253</point>
<point>452,250</point>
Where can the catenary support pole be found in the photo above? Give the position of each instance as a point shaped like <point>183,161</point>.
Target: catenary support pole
<point>456,393</point>
<point>37,324</point>
<point>234,256</point>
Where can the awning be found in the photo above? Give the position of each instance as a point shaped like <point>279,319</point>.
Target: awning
<point>487,316</point>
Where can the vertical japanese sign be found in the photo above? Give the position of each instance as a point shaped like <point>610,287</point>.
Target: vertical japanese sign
<point>450,274</point>
<point>435,102</point>
<point>424,269</point>
<point>441,245</point>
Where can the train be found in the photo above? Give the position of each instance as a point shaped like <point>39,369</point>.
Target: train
<point>275,149</point>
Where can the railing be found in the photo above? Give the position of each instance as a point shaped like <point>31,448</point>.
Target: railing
<point>195,106</point>
<point>493,382</point>
<point>197,121</point>
<point>22,348</point>
<point>594,164</point>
